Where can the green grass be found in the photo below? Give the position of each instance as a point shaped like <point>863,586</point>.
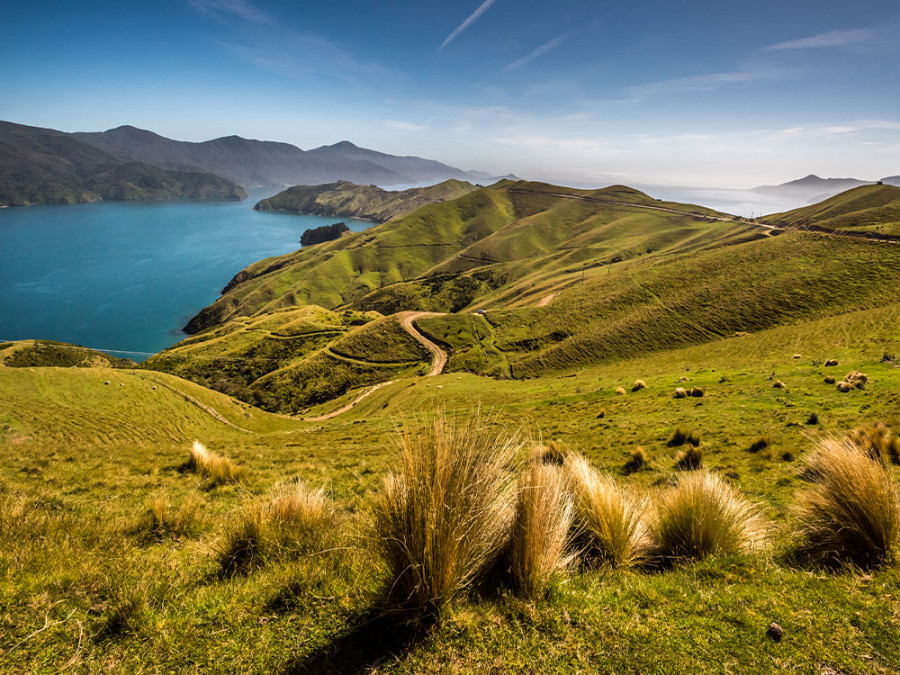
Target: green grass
<point>868,208</point>
<point>80,460</point>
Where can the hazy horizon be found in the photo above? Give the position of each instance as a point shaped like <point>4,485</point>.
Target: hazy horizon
<point>649,94</point>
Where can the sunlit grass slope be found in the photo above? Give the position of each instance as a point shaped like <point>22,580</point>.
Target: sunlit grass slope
<point>82,462</point>
<point>869,208</point>
<point>511,237</point>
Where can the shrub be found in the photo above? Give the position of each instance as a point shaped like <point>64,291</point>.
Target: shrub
<point>295,522</point>
<point>681,436</point>
<point>446,513</point>
<point>760,443</point>
<point>812,419</point>
<point>213,468</point>
<point>610,519</point>
<point>690,459</point>
<point>681,392</point>
<point>540,545</point>
<point>637,460</point>
<point>703,515</point>
<point>638,385</point>
<point>788,456</point>
<point>162,521</point>
<point>852,513</point>
<point>878,441</point>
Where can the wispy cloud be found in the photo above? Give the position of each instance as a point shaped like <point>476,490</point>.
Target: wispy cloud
<point>404,126</point>
<point>835,38</point>
<point>473,17</point>
<point>699,83</point>
<point>240,9</point>
<point>540,51</point>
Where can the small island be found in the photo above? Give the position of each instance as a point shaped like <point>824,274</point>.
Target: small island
<point>323,233</point>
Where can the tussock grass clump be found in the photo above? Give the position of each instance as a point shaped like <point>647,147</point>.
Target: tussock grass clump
<point>163,521</point>
<point>681,392</point>
<point>759,444</point>
<point>552,452</point>
<point>621,391</point>
<point>704,515</point>
<point>690,459</point>
<point>126,612</point>
<point>638,385</point>
<point>681,436</point>
<point>829,379</point>
<point>637,460</point>
<point>853,380</point>
<point>540,548</point>
<point>878,441</point>
<point>446,512</point>
<point>852,512</point>
<point>831,362</point>
<point>213,468</point>
<point>610,519</point>
<point>295,522</point>
<point>778,384</point>
<point>813,419</point>
<point>697,392</point>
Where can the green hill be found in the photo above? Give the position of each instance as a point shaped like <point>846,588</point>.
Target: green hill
<point>512,239</point>
<point>872,209</point>
<point>346,200</point>
<point>31,353</point>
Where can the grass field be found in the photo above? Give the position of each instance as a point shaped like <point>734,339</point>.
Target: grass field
<point>86,451</point>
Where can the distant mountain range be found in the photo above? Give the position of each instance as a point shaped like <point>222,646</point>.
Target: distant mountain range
<point>255,164</point>
<point>44,166</point>
<point>813,189</point>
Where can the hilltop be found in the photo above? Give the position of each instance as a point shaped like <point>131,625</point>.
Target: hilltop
<point>347,200</point>
<point>43,166</point>
<point>812,188</point>
<point>870,209</point>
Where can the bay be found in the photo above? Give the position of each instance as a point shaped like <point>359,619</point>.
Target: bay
<point>125,277</point>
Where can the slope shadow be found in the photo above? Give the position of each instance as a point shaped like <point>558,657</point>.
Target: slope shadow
<point>372,639</point>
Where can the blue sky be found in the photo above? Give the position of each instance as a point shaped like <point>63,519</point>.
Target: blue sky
<point>723,93</point>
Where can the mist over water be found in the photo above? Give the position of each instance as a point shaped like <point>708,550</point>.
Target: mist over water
<point>128,276</point>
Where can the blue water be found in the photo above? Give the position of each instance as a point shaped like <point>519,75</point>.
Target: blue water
<point>125,277</point>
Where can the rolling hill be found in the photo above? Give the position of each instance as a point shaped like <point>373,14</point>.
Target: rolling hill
<point>870,209</point>
<point>43,166</point>
<point>531,280</point>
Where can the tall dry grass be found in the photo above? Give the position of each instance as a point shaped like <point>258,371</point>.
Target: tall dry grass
<point>704,515</point>
<point>162,520</point>
<point>852,513</point>
<point>540,548</point>
<point>213,468</point>
<point>294,522</point>
<point>610,519</point>
<point>446,512</point>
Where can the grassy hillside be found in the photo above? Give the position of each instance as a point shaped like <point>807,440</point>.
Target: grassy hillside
<point>81,462</point>
<point>295,357</point>
<point>870,208</point>
<point>28,353</point>
<point>516,237</point>
<point>346,200</point>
